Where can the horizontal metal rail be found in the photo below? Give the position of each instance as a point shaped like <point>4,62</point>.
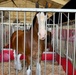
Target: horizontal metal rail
<point>37,9</point>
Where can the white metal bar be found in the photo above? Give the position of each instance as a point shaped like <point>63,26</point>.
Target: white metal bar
<point>2,67</point>
<point>9,45</point>
<point>67,45</point>
<point>14,24</point>
<point>45,49</point>
<point>60,43</point>
<point>58,33</point>
<point>37,9</point>
<point>17,42</point>
<point>65,40</point>
<point>57,36</point>
<point>24,43</point>
<point>48,52</point>
<point>38,51</point>
<point>59,40</point>
<point>31,41</point>
<point>74,47</point>
<point>5,35</point>
<point>53,43</point>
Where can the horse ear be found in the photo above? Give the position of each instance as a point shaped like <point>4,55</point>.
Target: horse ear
<point>37,4</point>
<point>46,6</point>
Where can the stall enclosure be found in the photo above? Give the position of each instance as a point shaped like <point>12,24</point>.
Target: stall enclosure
<point>60,42</point>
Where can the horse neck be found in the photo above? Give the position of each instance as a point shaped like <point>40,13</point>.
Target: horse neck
<point>35,31</point>
<point>35,27</point>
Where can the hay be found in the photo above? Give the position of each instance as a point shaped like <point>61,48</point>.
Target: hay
<point>49,68</point>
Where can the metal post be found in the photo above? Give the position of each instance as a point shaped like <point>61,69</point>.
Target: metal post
<point>60,43</point>
<point>74,59</point>
<point>31,41</point>
<point>24,43</point>
<point>53,43</point>
<point>17,42</point>
<point>67,45</point>
<point>45,50</point>
<point>2,67</point>
<point>9,45</point>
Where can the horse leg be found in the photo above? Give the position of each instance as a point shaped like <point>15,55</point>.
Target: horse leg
<point>38,69</point>
<point>38,66</point>
<point>28,65</point>
<point>17,61</point>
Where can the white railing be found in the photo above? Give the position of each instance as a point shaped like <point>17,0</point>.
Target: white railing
<point>57,38</point>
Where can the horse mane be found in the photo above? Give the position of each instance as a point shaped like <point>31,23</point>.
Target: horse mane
<point>34,19</point>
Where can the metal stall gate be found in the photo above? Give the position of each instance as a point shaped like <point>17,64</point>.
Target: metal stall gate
<point>60,61</point>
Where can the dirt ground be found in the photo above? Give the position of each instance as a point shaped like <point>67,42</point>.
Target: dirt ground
<point>49,69</point>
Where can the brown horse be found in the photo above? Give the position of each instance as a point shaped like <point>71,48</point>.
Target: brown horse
<point>39,31</point>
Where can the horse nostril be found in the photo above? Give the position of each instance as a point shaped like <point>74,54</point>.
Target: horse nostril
<point>43,38</point>
<point>39,34</point>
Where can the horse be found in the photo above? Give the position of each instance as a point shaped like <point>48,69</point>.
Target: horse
<point>39,31</point>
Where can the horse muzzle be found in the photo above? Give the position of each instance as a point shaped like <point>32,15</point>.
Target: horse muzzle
<point>42,36</point>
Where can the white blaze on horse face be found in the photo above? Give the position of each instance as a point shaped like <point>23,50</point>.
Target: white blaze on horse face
<point>42,27</point>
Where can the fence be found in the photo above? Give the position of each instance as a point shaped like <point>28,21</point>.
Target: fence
<point>60,61</point>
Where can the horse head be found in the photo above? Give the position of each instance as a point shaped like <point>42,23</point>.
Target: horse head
<point>42,25</point>
<point>42,19</point>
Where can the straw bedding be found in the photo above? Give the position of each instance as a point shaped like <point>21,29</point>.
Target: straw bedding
<point>49,68</point>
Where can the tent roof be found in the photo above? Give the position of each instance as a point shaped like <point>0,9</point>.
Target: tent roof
<point>69,5</point>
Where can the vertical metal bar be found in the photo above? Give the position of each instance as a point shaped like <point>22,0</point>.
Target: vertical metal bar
<point>17,42</point>
<point>45,48</point>
<point>38,49</point>
<point>74,46</point>
<point>59,31</point>
<point>38,45</point>
<point>65,40</point>
<point>67,45</point>
<point>60,43</point>
<point>53,43</point>
<point>9,42</point>
<point>57,35</point>
<point>2,67</point>
<point>31,40</point>
<point>5,35</point>
<point>24,42</point>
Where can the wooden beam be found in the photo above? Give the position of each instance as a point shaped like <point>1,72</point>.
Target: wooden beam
<point>62,2</point>
<point>2,1</point>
